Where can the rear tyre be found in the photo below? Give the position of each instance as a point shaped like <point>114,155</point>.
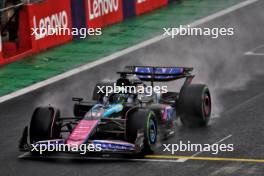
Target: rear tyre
<point>43,124</point>
<point>143,120</point>
<point>194,105</point>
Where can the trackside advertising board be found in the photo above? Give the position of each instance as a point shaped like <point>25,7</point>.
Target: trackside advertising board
<point>100,13</point>
<point>50,23</point>
<point>144,6</point>
<point>1,54</point>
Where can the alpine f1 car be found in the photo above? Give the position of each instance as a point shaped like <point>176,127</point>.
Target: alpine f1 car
<point>124,122</point>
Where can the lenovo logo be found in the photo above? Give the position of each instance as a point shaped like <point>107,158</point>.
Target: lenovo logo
<point>99,8</point>
<point>55,21</point>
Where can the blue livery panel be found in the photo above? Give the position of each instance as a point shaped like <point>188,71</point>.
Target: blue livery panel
<point>171,70</point>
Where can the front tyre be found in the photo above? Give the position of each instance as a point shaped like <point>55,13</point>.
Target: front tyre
<point>143,120</point>
<point>44,124</point>
<point>195,105</point>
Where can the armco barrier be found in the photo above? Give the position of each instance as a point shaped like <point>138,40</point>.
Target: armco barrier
<point>49,14</point>
<point>101,13</point>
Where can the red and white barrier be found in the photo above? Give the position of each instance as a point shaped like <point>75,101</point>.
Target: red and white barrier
<point>57,15</point>
<point>100,13</point>
<point>38,17</point>
<point>144,6</point>
<point>1,53</point>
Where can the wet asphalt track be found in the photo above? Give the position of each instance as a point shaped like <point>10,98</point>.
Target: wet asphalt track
<point>236,81</point>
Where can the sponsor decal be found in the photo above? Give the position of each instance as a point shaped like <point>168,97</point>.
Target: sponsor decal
<point>114,145</point>
<point>100,13</point>
<point>55,21</point>
<point>98,8</point>
<point>82,132</point>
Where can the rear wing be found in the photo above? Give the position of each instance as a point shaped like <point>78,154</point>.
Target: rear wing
<point>157,74</point>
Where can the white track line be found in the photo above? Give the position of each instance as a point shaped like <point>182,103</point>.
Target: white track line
<point>221,140</point>
<point>118,54</point>
<point>24,155</point>
<point>252,52</point>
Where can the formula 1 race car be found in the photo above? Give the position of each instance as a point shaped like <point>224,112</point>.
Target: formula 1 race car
<point>126,119</point>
